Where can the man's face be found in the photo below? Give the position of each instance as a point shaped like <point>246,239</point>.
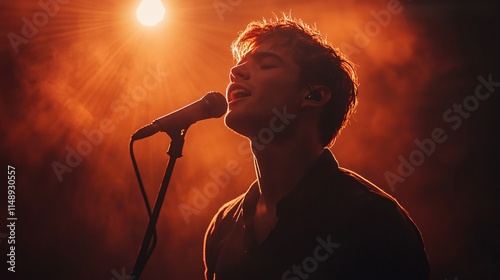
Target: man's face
<point>265,81</point>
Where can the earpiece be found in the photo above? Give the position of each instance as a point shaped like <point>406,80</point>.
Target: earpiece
<point>314,95</point>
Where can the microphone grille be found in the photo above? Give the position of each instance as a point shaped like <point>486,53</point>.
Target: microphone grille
<point>217,104</point>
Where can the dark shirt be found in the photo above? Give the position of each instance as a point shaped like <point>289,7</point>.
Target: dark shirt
<point>333,225</point>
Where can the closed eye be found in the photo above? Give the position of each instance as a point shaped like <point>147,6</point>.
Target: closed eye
<point>267,60</point>
<point>267,66</point>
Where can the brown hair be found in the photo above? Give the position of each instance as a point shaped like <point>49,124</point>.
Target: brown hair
<point>320,64</point>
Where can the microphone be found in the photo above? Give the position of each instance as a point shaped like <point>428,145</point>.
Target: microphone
<point>212,105</point>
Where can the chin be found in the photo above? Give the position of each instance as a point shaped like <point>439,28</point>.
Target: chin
<point>234,122</point>
<point>240,123</point>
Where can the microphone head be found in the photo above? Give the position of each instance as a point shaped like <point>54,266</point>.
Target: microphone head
<point>216,104</point>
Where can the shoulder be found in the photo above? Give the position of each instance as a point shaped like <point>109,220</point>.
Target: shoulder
<point>366,194</point>
<point>381,229</point>
<point>368,206</point>
<point>228,211</point>
<point>348,185</point>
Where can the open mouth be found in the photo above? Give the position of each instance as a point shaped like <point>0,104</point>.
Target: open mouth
<point>238,92</point>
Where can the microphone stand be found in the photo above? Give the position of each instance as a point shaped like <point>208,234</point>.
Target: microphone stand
<point>175,152</point>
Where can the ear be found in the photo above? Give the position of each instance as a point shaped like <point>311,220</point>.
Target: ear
<point>316,96</point>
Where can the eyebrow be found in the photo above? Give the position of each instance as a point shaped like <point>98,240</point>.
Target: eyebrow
<point>261,55</point>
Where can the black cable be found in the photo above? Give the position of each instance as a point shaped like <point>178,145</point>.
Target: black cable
<point>144,196</point>
<point>139,180</point>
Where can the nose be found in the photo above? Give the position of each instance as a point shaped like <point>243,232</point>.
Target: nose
<point>239,71</point>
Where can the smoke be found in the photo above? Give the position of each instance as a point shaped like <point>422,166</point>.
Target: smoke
<point>90,75</point>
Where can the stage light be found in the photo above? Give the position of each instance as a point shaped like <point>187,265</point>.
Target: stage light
<point>150,12</point>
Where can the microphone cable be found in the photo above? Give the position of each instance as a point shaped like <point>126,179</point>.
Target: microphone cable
<point>144,197</point>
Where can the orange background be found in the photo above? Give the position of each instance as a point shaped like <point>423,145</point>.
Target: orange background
<point>83,67</point>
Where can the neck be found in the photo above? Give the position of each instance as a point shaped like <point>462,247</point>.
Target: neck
<point>280,167</point>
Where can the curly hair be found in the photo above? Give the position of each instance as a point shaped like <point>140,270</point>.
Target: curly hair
<point>320,64</point>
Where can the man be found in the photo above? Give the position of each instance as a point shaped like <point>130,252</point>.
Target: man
<point>291,94</point>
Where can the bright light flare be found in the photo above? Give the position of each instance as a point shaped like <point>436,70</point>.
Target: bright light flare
<point>150,12</point>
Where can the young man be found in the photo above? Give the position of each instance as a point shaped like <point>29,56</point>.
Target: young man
<point>291,94</point>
